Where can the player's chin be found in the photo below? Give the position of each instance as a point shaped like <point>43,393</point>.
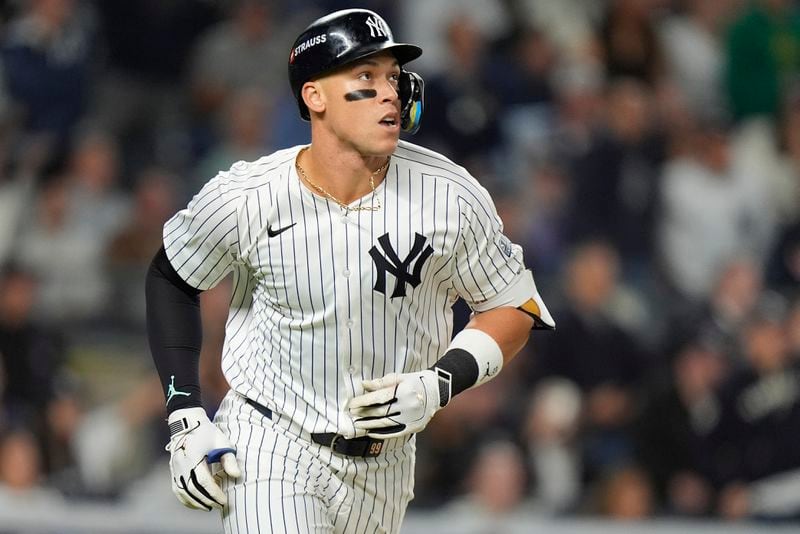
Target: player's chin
<point>385,143</point>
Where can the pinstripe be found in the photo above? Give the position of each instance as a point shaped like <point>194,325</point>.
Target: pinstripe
<point>272,502</point>
<point>358,515</point>
<point>282,267</point>
<point>299,306</point>
<point>354,466</point>
<point>274,290</point>
<point>244,505</point>
<point>314,330</point>
<point>335,299</point>
<point>393,487</point>
<point>411,303</point>
<point>348,293</point>
<point>390,488</point>
<point>426,298</point>
<point>400,244</point>
<point>287,343</point>
<point>362,323</point>
<point>283,485</point>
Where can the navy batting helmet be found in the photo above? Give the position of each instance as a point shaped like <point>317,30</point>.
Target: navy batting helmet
<point>346,36</point>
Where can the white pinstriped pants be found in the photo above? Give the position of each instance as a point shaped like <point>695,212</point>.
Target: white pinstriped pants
<point>290,485</point>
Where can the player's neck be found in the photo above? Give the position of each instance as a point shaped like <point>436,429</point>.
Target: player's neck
<point>344,173</point>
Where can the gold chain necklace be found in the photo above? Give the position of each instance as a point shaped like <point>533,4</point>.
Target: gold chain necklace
<point>374,207</point>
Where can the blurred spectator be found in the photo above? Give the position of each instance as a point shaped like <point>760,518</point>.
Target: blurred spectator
<point>47,64</point>
<point>591,350</point>
<point>497,481</point>
<point>96,204</point>
<point>578,110</point>
<point>246,51</point>
<point>460,108</point>
<point>15,196</point>
<point>426,23</point>
<point>625,494</point>
<point>544,223</point>
<point>785,263</point>
<point>131,248</point>
<point>706,217</point>
<point>568,24</point>
<point>245,135</point>
<point>32,355</point>
<point>694,54</point>
<point>720,317</point>
<point>630,44</point>
<point>114,443</point>
<point>793,329</point>
<point>521,75</point>
<point>21,476</point>
<point>552,432</point>
<point>616,183</point>
<point>64,413</point>
<point>763,57</point>
<point>496,487</point>
<point>66,260</point>
<point>758,426</point>
<point>451,439</point>
<point>675,417</point>
<point>148,45</point>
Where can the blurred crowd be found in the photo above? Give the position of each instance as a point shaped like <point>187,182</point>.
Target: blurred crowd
<point>645,154</point>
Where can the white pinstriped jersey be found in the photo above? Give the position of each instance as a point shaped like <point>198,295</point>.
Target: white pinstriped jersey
<point>324,298</point>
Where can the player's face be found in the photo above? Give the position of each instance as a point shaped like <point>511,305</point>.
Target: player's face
<point>362,104</point>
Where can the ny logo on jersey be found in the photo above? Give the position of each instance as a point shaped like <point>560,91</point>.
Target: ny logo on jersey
<point>400,268</point>
<point>376,27</point>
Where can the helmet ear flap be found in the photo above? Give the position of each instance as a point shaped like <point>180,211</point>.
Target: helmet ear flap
<point>412,93</point>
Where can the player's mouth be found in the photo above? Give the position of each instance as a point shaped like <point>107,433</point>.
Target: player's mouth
<point>391,121</point>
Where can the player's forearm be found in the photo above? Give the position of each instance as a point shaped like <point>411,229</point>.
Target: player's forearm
<point>509,327</point>
<point>175,333</point>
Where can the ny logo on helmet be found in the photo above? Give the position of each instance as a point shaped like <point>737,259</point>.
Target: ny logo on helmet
<point>377,28</point>
<point>400,268</point>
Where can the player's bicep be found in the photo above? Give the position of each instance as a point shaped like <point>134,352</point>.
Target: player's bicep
<point>201,241</point>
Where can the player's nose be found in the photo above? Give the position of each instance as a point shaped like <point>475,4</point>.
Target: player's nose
<point>388,91</point>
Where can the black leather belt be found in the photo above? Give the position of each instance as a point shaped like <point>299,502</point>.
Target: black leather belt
<point>363,447</point>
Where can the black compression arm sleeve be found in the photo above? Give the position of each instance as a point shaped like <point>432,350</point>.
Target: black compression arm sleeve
<point>175,332</point>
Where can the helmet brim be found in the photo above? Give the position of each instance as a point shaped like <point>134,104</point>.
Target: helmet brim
<point>404,53</point>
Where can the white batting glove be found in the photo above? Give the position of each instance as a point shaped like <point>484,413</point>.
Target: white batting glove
<point>195,444</point>
<point>397,404</point>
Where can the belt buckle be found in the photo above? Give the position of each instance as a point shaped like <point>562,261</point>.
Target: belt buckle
<point>334,441</point>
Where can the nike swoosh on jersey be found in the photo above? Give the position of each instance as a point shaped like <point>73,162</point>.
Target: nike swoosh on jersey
<point>273,233</point>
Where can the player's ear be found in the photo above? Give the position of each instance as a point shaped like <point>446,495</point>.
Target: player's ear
<point>313,96</point>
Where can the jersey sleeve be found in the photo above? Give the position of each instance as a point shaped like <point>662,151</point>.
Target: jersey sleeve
<point>490,270</point>
<point>201,240</point>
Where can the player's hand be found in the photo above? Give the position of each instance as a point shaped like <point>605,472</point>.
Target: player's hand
<point>195,445</point>
<point>396,404</point>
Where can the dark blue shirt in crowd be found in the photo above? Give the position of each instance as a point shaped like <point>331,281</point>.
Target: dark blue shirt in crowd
<point>49,77</point>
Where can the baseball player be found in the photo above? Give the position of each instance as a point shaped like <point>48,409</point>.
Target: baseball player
<point>347,255</point>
